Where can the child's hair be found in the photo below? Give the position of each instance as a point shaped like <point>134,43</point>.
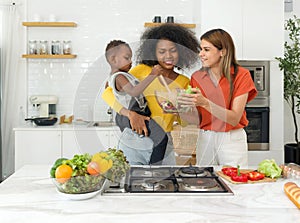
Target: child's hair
<point>186,42</point>
<point>112,47</point>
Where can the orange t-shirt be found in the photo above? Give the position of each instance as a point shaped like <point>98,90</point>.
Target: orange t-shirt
<point>220,94</point>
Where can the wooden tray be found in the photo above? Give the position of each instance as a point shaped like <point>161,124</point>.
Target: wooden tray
<point>265,180</point>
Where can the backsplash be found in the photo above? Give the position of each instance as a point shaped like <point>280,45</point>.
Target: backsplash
<point>78,82</point>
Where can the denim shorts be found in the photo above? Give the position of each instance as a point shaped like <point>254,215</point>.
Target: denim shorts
<point>137,148</point>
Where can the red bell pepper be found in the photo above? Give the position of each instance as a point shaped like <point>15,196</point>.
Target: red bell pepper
<point>239,177</point>
<point>254,175</point>
<point>229,171</point>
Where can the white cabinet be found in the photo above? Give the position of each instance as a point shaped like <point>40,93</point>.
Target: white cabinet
<point>263,23</point>
<point>226,15</point>
<point>36,147</point>
<point>41,146</point>
<point>256,26</point>
<point>86,141</point>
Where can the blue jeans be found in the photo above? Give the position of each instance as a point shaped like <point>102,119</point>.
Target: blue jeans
<point>136,148</point>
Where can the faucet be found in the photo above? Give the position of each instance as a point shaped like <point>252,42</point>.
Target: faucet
<point>111,115</point>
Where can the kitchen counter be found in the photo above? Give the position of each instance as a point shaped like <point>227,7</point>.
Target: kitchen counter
<point>30,196</point>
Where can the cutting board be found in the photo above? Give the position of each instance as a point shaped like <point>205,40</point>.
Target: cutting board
<point>266,179</point>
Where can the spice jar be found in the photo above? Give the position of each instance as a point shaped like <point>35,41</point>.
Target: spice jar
<point>67,47</point>
<point>55,47</point>
<point>43,47</point>
<point>32,47</point>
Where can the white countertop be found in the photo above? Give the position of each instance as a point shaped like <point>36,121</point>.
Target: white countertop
<point>30,196</point>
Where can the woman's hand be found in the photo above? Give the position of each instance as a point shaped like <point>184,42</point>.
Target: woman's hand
<point>137,123</point>
<point>192,99</point>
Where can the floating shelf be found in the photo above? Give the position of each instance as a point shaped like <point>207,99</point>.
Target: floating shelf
<point>50,24</point>
<point>152,24</point>
<point>49,56</point>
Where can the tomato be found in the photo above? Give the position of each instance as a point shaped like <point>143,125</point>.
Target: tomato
<point>93,168</point>
<point>254,175</point>
<point>229,171</point>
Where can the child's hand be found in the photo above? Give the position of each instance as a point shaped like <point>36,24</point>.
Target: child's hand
<point>157,70</point>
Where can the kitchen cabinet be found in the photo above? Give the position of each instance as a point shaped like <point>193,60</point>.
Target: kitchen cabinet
<point>252,25</point>
<point>43,146</point>
<point>37,147</point>
<point>88,141</point>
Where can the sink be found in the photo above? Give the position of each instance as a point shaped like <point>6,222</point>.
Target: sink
<point>101,124</point>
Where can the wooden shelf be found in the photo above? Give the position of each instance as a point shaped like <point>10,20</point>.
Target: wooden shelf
<point>151,24</point>
<point>49,56</point>
<point>50,24</point>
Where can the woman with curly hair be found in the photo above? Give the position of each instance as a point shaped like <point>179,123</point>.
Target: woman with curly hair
<point>171,46</point>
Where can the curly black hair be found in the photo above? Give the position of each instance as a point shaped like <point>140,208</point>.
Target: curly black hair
<point>186,42</point>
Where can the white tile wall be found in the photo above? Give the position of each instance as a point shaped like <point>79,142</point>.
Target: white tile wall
<point>78,82</point>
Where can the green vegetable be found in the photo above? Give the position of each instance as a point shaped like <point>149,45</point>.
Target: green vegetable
<point>57,163</point>
<point>120,165</point>
<point>189,90</point>
<point>269,168</point>
<point>79,164</point>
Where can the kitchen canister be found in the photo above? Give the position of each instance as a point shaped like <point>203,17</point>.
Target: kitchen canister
<point>67,47</point>
<point>55,47</point>
<point>43,47</point>
<point>32,47</point>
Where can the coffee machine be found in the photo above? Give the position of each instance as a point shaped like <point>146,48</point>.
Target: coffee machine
<point>45,104</point>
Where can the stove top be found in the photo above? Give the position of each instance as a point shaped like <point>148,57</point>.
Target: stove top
<point>154,180</point>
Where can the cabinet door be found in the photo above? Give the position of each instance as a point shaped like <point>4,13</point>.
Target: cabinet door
<point>263,23</point>
<point>84,141</point>
<point>37,147</point>
<point>226,15</point>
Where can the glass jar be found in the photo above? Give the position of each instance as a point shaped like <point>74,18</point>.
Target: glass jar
<point>43,47</point>
<point>32,47</point>
<point>55,47</point>
<point>67,47</point>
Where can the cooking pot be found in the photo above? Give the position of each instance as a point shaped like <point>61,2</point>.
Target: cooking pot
<point>43,121</point>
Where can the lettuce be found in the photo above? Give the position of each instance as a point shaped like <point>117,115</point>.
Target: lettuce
<point>269,168</point>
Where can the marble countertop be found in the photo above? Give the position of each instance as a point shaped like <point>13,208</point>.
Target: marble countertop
<point>30,196</point>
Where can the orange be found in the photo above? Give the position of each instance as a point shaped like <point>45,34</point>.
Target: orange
<point>63,173</point>
<point>93,168</point>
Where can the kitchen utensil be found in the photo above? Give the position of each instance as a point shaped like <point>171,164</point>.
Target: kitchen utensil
<point>163,80</point>
<point>43,121</point>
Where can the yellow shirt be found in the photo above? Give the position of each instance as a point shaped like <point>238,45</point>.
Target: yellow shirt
<point>141,72</point>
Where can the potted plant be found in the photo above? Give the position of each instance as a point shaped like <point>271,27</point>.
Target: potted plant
<point>290,65</point>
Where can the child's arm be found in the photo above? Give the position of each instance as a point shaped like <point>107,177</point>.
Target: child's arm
<point>122,83</point>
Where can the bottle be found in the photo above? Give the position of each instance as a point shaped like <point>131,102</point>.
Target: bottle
<point>55,47</point>
<point>43,47</point>
<point>32,47</point>
<point>67,47</point>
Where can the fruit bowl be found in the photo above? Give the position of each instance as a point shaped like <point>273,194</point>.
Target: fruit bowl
<point>80,184</point>
<point>168,101</point>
